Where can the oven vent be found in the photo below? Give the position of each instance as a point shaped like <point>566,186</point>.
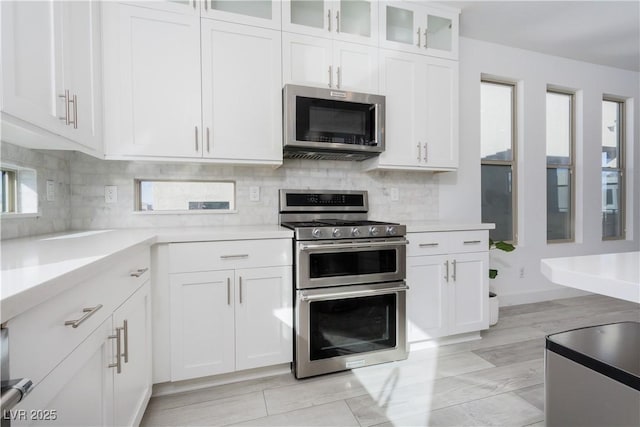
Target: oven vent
<point>329,155</point>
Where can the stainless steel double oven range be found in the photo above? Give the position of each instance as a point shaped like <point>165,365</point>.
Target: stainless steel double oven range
<point>349,274</point>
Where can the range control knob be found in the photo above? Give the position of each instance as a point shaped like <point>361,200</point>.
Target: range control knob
<point>337,233</point>
<point>391,231</point>
<point>374,231</point>
<point>355,232</point>
<point>316,233</point>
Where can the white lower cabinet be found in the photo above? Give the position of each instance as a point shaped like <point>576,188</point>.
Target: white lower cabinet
<point>236,316</point>
<point>449,292</point>
<point>88,388</point>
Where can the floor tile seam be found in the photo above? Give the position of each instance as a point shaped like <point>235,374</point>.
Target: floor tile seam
<point>205,401</point>
<point>365,392</point>
<point>490,396</point>
<point>264,401</point>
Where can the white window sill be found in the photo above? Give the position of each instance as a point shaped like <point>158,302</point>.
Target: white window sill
<point>6,215</point>
<point>188,212</point>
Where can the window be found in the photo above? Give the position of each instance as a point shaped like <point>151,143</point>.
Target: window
<point>613,170</point>
<point>19,190</point>
<point>560,166</point>
<point>498,158</point>
<point>161,195</point>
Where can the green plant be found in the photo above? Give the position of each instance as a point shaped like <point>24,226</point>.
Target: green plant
<point>503,246</point>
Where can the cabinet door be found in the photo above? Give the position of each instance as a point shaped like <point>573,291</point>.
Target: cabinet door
<point>80,389</point>
<point>314,18</point>
<point>427,310</point>
<point>32,63</point>
<point>242,92</point>
<point>402,26</point>
<point>263,317</point>
<point>81,71</point>
<point>469,295</point>
<point>441,38</point>
<point>152,82</point>
<point>402,81</point>
<point>260,13</point>
<point>202,324</point>
<point>440,145</point>
<point>132,386</point>
<point>307,60</point>
<point>356,21</point>
<point>356,67</point>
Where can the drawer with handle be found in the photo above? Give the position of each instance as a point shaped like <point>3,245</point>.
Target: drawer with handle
<point>427,243</point>
<point>44,335</point>
<point>210,256</point>
<point>469,241</point>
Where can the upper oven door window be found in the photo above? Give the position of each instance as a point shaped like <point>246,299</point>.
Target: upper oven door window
<point>339,122</point>
<point>321,265</point>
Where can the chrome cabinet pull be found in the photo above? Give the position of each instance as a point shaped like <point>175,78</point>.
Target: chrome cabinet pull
<point>194,4</point>
<point>196,135</point>
<point>331,246</point>
<point>330,76</point>
<point>329,19</point>
<point>75,111</point>
<point>125,330</point>
<point>206,5</point>
<point>228,291</point>
<point>208,146</point>
<point>234,256</point>
<point>90,311</point>
<point>240,286</point>
<point>418,32</point>
<point>472,242</point>
<point>338,23</point>
<point>65,96</point>
<point>425,38</point>
<point>446,264</point>
<point>139,272</point>
<point>118,364</point>
<point>453,276</point>
<point>428,245</point>
<point>425,152</point>
<point>339,78</point>
<point>419,151</point>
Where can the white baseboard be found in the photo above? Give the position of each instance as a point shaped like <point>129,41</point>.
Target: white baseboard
<point>438,342</point>
<point>163,389</point>
<point>538,296</point>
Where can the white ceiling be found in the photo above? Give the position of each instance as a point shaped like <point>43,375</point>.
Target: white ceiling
<point>602,32</point>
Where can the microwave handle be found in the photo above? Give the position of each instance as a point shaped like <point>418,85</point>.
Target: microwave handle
<point>333,295</point>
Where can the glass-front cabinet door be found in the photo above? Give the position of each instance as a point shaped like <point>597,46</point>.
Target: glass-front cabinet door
<point>260,13</point>
<point>419,29</point>
<point>347,20</point>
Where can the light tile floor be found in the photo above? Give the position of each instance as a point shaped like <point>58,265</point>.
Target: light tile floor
<point>495,381</point>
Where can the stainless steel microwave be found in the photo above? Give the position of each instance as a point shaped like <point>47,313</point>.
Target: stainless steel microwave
<point>332,124</point>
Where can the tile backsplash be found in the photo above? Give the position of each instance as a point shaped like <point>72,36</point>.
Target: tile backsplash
<point>86,177</point>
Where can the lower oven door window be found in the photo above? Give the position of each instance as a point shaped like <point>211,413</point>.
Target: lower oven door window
<point>342,327</point>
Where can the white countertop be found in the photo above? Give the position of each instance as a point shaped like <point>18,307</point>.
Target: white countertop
<point>428,226</point>
<point>37,268</point>
<point>616,275</point>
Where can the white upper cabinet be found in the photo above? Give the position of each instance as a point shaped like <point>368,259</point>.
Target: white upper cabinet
<point>348,20</point>
<point>315,61</point>
<point>51,70</point>
<point>179,86</point>
<point>241,92</point>
<point>260,13</point>
<point>421,112</point>
<point>152,81</point>
<point>418,28</point>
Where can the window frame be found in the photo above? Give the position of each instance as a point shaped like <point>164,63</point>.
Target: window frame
<point>620,169</point>
<point>137,201</point>
<point>571,167</point>
<point>10,194</point>
<point>513,163</point>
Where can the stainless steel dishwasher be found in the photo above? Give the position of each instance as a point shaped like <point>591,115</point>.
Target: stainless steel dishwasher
<point>592,376</point>
<point>12,391</point>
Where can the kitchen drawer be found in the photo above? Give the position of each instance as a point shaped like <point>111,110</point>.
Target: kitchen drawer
<point>447,242</point>
<point>39,338</point>
<point>209,256</point>
<point>428,243</point>
<point>468,241</point>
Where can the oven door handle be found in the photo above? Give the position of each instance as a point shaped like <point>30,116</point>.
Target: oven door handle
<point>360,245</point>
<point>334,295</point>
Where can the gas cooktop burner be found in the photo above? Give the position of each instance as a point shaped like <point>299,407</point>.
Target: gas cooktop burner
<point>333,222</point>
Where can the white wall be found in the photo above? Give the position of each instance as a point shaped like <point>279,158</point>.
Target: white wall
<point>460,191</point>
